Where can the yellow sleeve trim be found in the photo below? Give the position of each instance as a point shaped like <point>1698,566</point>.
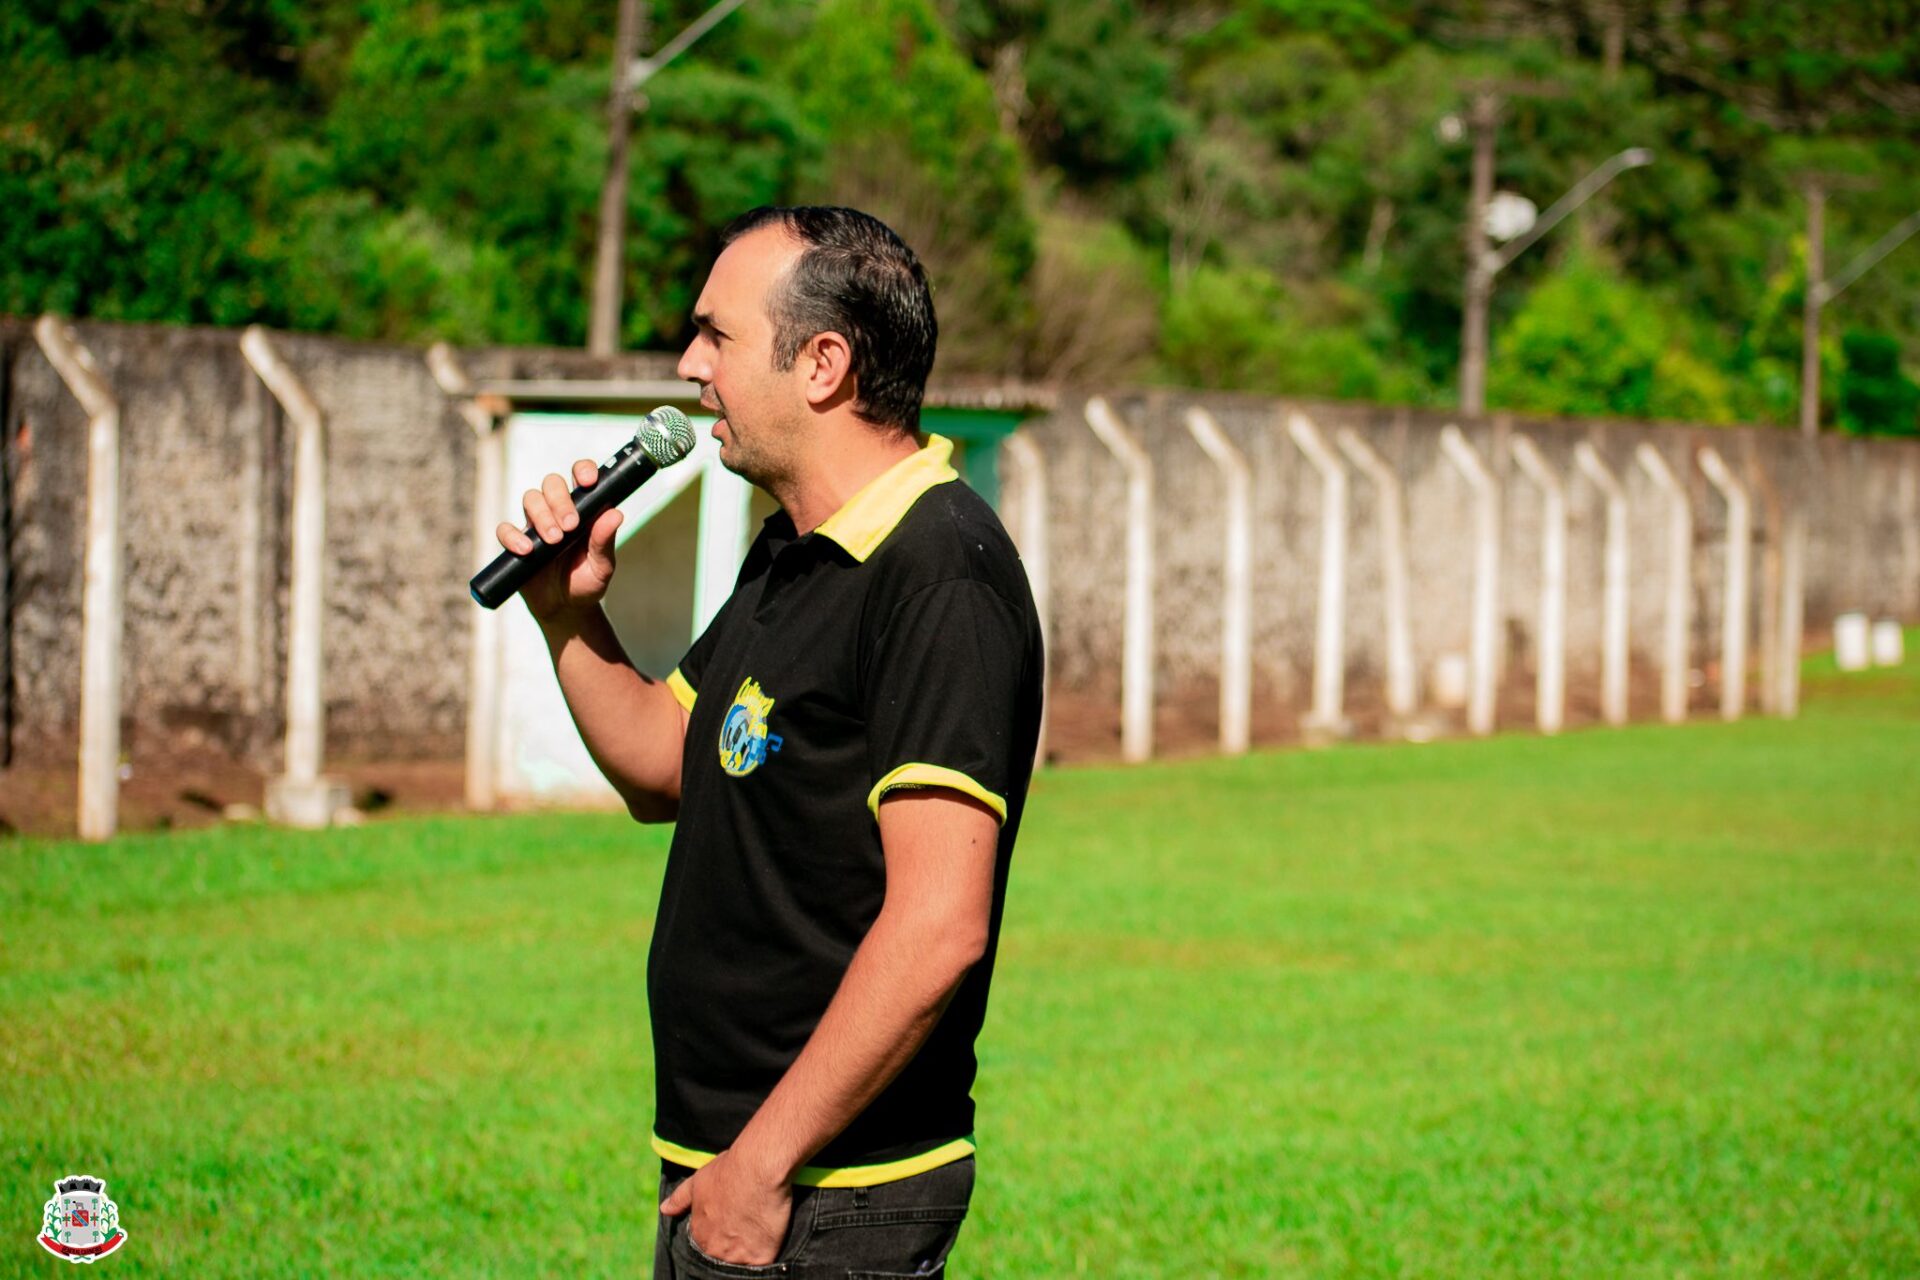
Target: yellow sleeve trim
<point>682,691</point>
<point>933,775</point>
<point>852,1175</point>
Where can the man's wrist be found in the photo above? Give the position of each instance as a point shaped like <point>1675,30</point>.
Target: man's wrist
<point>764,1160</point>
<point>567,621</point>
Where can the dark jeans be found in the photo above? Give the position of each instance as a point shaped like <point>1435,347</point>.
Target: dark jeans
<point>896,1229</point>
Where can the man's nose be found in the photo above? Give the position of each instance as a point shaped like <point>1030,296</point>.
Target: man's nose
<point>693,367</point>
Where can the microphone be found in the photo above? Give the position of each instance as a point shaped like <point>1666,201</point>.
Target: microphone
<point>665,436</point>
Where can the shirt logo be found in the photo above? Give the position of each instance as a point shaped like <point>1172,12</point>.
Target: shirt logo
<point>744,743</point>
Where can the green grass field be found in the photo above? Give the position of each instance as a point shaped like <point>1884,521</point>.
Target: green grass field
<point>1617,1004</point>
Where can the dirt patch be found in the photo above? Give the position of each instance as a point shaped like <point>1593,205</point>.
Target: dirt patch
<point>1083,725</point>
<point>194,784</point>
<point>196,787</point>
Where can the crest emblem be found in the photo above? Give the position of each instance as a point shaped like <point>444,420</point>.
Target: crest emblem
<point>82,1225</point>
<point>744,743</point>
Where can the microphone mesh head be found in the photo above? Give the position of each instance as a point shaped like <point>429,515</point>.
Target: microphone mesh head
<point>666,435</point>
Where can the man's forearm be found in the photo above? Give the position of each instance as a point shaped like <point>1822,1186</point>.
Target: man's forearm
<point>631,723</point>
<point>895,989</point>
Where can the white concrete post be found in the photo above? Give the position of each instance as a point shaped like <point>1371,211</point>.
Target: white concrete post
<point>1329,643</point>
<point>1673,648</point>
<point>1029,482</point>
<point>1483,685</point>
<point>725,512</point>
<point>483,663</point>
<point>1793,559</point>
<point>100,589</point>
<point>1613,626</point>
<point>1910,524</point>
<point>1236,601</point>
<point>1550,680</point>
<point>1772,511</point>
<point>1733,622</point>
<point>1402,689</point>
<point>1136,659</point>
<point>301,797</point>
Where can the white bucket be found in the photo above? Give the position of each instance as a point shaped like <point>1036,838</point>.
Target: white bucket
<point>1450,681</point>
<point>1850,650</point>
<point>1889,644</point>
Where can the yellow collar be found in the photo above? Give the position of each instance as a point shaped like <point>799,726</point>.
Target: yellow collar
<point>871,514</point>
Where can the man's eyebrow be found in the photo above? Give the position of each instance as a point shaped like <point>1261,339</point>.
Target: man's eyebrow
<point>704,319</point>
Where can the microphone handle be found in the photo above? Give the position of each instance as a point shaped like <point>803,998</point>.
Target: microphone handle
<point>626,471</point>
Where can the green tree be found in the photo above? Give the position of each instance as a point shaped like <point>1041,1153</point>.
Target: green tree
<point>1097,296</point>
<point>1876,395</point>
<point>1241,328</point>
<point>113,207</point>
<point>453,192</point>
<point>1589,342</point>
<point>913,136</point>
<point>1087,89</point>
<point>1084,181</point>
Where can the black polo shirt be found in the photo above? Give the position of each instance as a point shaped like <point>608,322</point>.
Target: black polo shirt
<point>896,645</point>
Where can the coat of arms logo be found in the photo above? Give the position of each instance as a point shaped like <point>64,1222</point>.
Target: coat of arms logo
<point>82,1225</point>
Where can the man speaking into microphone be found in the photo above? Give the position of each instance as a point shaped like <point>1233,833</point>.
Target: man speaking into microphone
<point>846,750</point>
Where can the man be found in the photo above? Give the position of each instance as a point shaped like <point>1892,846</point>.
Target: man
<point>847,749</point>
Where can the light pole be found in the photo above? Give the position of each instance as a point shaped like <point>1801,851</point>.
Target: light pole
<point>1820,292</point>
<point>629,73</point>
<point>1483,263</point>
<point>1473,321</point>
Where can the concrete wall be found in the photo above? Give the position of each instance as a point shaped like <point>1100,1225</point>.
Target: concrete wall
<point>206,473</point>
<point>206,477</point>
<point>1862,498</point>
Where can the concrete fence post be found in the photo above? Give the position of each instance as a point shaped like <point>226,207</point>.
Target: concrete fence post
<point>1790,609</point>
<point>1733,621</point>
<point>1402,686</point>
<point>1484,660</point>
<point>1910,524</point>
<point>1613,625</point>
<point>302,797</point>
<point>725,512</point>
<point>101,581</point>
<point>483,666</point>
<point>1236,574</point>
<point>1771,512</point>
<point>1673,646</point>
<point>1550,678</point>
<point>1136,659</point>
<point>1330,643</point>
<point>1028,472</point>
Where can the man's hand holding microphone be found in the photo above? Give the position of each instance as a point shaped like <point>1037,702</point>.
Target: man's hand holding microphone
<point>561,563</point>
<point>572,531</point>
<point>578,577</point>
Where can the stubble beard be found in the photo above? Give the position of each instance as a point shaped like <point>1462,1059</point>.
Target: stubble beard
<point>758,455</point>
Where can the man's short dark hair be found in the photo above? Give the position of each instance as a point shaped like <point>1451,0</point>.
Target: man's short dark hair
<point>854,277</point>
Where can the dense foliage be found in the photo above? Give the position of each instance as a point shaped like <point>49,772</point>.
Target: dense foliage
<point>1264,194</point>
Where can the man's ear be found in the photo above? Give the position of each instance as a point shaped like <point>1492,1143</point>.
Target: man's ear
<point>830,368</point>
